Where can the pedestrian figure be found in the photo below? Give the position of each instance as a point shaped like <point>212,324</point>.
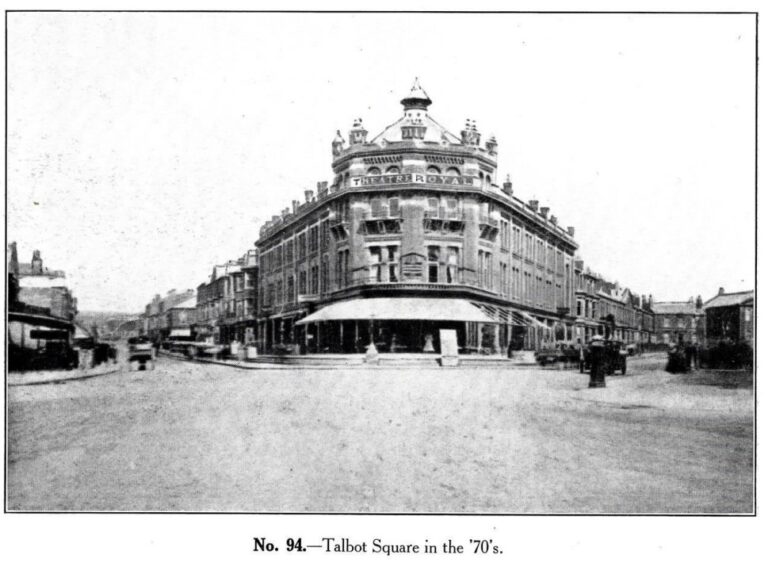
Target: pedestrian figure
<point>580,348</point>
<point>690,353</point>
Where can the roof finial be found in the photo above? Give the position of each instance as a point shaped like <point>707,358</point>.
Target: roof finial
<point>417,98</point>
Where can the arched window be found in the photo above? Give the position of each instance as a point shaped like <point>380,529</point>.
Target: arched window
<point>488,179</point>
<point>393,170</point>
<point>432,169</point>
<point>453,171</point>
<point>373,171</point>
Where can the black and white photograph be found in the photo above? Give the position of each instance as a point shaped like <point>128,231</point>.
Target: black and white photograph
<point>381,263</point>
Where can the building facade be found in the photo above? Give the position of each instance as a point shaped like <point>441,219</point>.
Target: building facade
<point>730,317</point>
<point>605,308</point>
<point>414,236</point>
<point>41,315</point>
<point>226,303</point>
<point>172,316</point>
<point>678,320</point>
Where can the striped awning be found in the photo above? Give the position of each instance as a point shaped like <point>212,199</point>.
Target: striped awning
<point>400,309</point>
<point>509,316</point>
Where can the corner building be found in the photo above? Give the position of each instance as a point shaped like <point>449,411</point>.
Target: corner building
<point>414,236</point>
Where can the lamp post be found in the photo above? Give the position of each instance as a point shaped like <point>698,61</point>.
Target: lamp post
<point>597,362</point>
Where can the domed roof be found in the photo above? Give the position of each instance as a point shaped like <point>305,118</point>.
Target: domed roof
<point>415,106</point>
<point>417,97</point>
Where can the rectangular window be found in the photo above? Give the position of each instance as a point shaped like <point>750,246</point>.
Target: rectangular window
<point>433,263</point>
<point>378,209</point>
<point>452,268</point>
<point>315,273</point>
<point>433,207</point>
<point>302,245</point>
<point>374,265</point>
<point>452,208</point>
<point>393,264</point>
<point>394,208</point>
<point>504,276</point>
<point>313,238</point>
<point>302,282</point>
<point>325,234</point>
<point>324,278</point>
<point>747,314</point>
<point>504,231</point>
<point>291,289</point>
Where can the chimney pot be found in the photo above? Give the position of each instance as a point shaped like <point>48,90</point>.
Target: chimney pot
<point>553,219</point>
<point>295,204</point>
<point>544,211</point>
<point>308,195</point>
<point>571,231</point>
<point>721,291</point>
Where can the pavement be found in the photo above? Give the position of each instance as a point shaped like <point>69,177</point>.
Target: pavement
<point>59,376</point>
<point>192,437</point>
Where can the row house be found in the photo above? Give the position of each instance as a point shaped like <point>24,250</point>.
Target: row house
<point>607,309</point>
<point>171,317</point>
<point>226,303</point>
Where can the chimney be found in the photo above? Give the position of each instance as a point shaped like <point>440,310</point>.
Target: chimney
<point>553,219</point>
<point>699,302</point>
<point>507,187</point>
<point>721,291</point>
<point>534,205</point>
<point>37,262</point>
<point>295,204</point>
<point>571,231</point>
<point>285,212</point>
<point>275,220</point>
<point>650,302</point>
<point>491,145</point>
<point>308,195</point>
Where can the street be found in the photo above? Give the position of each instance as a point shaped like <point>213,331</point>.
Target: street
<point>197,437</point>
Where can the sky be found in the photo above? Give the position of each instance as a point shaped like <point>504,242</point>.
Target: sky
<point>145,148</point>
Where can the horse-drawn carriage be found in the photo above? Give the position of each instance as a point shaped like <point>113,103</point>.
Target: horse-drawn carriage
<point>615,356</point>
<point>141,353</point>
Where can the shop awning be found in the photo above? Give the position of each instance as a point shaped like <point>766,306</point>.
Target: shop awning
<point>400,309</point>
<point>509,316</point>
